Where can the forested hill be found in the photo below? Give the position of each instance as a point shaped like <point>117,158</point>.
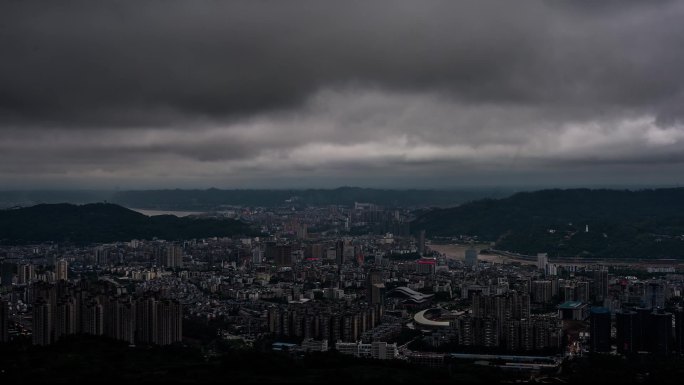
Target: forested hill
<point>102,222</point>
<point>621,223</point>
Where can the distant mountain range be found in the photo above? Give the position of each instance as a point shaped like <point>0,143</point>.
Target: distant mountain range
<point>210,199</point>
<point>565,223</point>
<point>571,223</point>
<point>102,222</point>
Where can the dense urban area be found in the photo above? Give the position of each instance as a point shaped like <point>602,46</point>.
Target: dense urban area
<point>354,280</point>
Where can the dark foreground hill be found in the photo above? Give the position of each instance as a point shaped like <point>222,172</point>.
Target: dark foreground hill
<point>102,222</point>
<point>98,359</point>
<point>77,358</point>
<point>570,223</point>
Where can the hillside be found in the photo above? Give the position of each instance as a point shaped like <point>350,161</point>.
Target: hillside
<point>102,222</point>
<point>621,223</point>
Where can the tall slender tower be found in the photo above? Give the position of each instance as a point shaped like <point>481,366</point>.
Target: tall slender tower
<point>421,242</point>
<point>339,252</point>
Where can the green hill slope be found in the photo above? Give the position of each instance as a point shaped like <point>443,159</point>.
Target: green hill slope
<point>621,224</point>
<point>102,222</point>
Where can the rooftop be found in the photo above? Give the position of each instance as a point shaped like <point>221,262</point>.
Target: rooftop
<point>570,305</point>
<point>420,319</point>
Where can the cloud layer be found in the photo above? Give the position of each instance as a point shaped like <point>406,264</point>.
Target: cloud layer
<point>312,93</point>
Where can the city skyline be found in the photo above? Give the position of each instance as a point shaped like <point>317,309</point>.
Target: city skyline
<point>435,94</point>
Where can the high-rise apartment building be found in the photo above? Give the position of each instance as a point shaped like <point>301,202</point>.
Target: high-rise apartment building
<point>25,273</point>
<point>600,284</point>
<point>375,287</point>
<point>42,322</point>
<point>679,330</point>
<point>65,318</point>
<point>599,335</point>
<point>173,257</point>
<point>62,270</point>
<point>659,332</point>
<point>158,322</point>
<point>421,242</point>
<point>339,252</point>
<point>542,291</point>
<point>283,255</point>
<point>627,331</point>
<point>470,257</point>
<point>4,321</point>
<point>93,318</point>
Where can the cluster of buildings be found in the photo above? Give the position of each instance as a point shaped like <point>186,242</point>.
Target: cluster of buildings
<point>377,350</point>
<point>635,330</point>
<point>51,311</point>
<point>351,279</point>
<point>504,320</point>
<point>60,311</point>
<point>324,321</point>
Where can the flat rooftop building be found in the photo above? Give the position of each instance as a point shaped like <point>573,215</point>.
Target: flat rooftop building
<point>573,310</point>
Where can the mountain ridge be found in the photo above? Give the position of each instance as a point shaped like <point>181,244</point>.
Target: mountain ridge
<point>102,223</point>
<point>645,223</point>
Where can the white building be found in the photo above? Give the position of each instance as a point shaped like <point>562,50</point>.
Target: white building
<point>543,262</point>
<point>311,345</point>
<point>377,350</point>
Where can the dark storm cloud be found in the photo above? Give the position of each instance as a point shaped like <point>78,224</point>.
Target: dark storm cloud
<point>128,89</point>
<point>133,63</point>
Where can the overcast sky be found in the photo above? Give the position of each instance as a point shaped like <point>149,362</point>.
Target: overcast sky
<point>233,94</point>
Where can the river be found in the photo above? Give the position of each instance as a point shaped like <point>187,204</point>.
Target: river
<point>151,213</point>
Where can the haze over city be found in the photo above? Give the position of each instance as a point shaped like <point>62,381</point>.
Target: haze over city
<point>240,94</point>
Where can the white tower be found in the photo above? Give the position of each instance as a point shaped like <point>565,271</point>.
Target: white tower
<point>543,262</point>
